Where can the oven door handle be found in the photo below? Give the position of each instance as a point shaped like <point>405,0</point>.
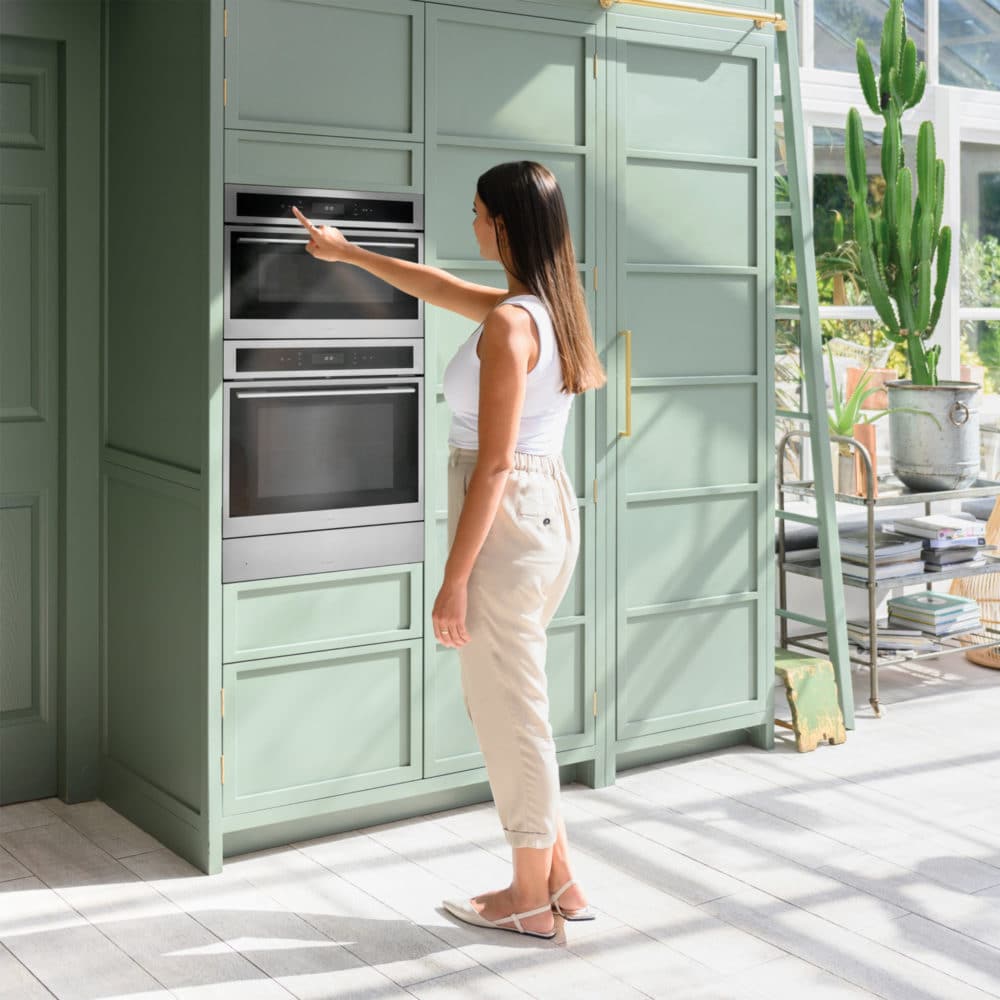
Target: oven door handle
<point>357,243</point>
<point>325,392</point>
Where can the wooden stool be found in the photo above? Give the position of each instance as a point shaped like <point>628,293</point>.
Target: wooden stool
<point>812,696</point>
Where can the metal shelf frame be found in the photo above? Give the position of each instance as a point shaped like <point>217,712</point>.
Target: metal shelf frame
<point>891,492</point>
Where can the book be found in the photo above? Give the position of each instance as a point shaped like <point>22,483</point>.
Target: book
<point>932,603</point>
<point>905,616</point>
<point>802,556</point>
<point>939,526</point>
<point>883,571</point>
<point>958,557</point>
<point>955,543</point>
<point>854,546</point>
<point>942,629</point>
<point>860,625</point>
<point>898,644</point>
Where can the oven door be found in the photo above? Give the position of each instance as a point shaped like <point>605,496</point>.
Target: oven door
<point>316,454</point>
<point>274,289</point>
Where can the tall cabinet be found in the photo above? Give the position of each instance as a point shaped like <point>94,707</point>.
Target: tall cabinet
<point>322,703</point>
<point>689,208</point>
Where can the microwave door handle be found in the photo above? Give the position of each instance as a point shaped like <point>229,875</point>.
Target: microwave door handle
<point>267,239</point>
<point>325,392</point>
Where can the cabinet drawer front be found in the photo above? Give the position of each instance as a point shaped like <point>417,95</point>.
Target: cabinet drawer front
<point>307,727</point>
<point>304,614</point>
<point>322,162</point>
<point>334,67</point>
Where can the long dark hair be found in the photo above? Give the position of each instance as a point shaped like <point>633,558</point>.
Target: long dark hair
<point>536,247</point>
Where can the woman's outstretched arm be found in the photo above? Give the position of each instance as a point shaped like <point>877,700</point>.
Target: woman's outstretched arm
<point>431,284</point>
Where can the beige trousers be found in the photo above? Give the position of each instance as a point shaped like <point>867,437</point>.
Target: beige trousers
<point>517,582</point>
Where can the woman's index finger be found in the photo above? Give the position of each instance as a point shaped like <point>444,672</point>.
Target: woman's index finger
<point>305,222</point>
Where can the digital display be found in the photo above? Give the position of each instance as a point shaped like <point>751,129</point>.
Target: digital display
<point>329,358</point>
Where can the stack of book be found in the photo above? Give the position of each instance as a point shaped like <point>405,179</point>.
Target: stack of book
<point>890,638</point>
<point>939,614</point>
<point>894,555</point>
<point>947,541</point>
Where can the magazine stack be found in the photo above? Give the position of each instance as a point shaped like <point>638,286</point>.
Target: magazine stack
<point>947,541</point>
<point>939,614</point>
<point>894,555</point>
<point>890,638</point>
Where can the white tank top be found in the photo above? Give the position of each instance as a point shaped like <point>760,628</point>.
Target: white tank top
<point>546,406</point>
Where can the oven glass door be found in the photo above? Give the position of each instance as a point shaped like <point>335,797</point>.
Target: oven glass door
<point>275,289</point>
<point>310,455</point>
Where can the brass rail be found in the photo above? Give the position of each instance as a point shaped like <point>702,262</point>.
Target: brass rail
<point>759,18</point>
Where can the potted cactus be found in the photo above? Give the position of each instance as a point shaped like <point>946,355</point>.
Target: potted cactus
<point>898,250</point>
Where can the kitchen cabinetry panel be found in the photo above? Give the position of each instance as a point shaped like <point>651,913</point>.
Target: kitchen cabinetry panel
<point>681,668</point>
<point>299,728</point>
<point>498,76</point>
<point>691,189</point>
<point>335,67</point>
<point>703,548</point>
<point>691,214</point>
<point>694,436</point>
<point>323,162</point>
<point>303,614</point>
<point>710,329</point>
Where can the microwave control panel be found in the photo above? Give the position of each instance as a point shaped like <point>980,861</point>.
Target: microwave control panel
<point>324,358</point>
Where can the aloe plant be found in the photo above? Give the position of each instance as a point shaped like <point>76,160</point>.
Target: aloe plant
<point>847,412</point>
<point>898,248</point>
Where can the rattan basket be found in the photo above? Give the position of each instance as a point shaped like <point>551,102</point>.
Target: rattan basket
<point>986,591</point>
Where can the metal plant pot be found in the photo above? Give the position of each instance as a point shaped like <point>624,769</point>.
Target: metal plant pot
<point>927,458</point>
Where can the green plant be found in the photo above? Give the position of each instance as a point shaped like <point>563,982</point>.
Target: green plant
<point>898,247</point>
<point>847,412</point>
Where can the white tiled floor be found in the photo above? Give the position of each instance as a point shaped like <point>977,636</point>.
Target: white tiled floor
<point>868,869</point>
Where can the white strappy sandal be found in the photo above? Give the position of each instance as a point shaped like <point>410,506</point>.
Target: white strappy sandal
<point>584,913</point>
<point>464,910</point>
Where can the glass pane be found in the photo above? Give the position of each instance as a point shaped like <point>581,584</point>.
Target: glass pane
<point>980,225</point>
<point>837,265</point>
<point>789,394</point>
<point>970,43</point>
<point>839,23</point>
<point>980,360</point>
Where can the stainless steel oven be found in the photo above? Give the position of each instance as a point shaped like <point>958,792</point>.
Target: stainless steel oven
<point>273,289</point>
<point>323,461</point>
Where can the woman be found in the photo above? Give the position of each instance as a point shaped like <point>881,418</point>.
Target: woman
<point>513,523</point>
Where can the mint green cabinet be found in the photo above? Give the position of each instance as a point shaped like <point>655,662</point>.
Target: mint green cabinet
<point>332,67</point>
<point>304,614</point>
<point>321,161</point>
<point>506,87</point>
<point>303,728</point>
<point>689,207</point>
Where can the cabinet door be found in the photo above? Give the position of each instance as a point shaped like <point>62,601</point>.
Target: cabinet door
<point>299,728</point>
<point>334,67</point>
<point>693,567</point>
<point>506,87</point>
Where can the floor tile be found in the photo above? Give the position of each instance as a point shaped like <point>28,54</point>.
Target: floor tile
<point>11,868</point>
<point>942,948</point>
<point>104,827</point>
<point>60,855</point>
<point>16,982</point>
<point>24,815</point>
<point>860,961</point>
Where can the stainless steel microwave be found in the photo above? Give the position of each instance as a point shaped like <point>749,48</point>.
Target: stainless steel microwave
<point>273,289</point>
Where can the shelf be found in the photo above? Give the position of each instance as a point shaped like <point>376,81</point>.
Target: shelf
<point>892,492</point>
<point>814,642</point>
<point>992,565</point>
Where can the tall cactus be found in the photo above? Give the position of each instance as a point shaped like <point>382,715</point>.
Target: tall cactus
<point>898,249</point>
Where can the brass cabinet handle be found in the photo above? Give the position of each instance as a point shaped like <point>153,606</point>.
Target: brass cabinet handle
<point>627,334</point>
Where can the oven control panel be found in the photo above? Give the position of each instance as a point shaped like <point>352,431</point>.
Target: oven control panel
<point>269,358</point>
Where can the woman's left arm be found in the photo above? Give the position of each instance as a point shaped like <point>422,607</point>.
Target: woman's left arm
<point>506,345</point>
